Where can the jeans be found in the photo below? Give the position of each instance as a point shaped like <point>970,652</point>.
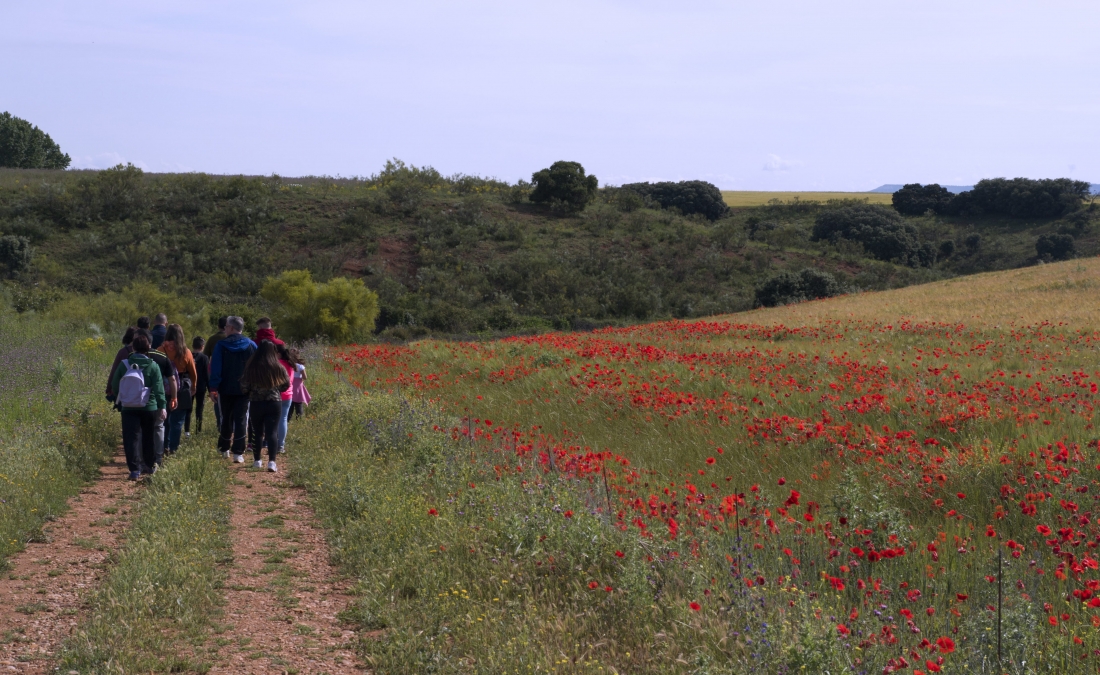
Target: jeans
<point>176,420</point>
<point>218,413</point>
<point>137,438</point>
<point>264,420</point>
<point>234,409</point>
<point>197,406</point>
<point>158,440</point>
<point>284,410</point>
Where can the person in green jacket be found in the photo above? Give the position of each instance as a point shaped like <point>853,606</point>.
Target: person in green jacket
<point>143,404</point>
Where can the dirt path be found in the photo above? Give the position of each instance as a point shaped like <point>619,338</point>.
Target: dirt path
<point>283,596</point>
<point>42,593</point>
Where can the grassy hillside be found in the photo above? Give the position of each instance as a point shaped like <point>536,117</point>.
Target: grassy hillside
<point>749,198</point>
<point>451,255</point>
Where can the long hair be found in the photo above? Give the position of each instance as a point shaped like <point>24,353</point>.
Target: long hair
<point>128,336</point>
<point>175,336</point>
<point>263,370</point>
<point>287,355</point>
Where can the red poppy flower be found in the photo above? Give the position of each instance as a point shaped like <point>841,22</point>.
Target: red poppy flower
<point>568,514</point>
<point>619,554</point>
<point>1043,530</point>
<point>946,644</point>
<point>695,607</point>
<point>593,585</point>
<point>710,460</point>
<point>433,512</point>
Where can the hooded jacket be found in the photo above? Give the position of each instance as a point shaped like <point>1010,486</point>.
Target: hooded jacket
<point>227,366</point>
<point>267,334</point>
<point>158,333</point>
<point>151,372</point>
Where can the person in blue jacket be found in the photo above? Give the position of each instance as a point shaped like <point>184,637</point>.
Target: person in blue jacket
<point>226,368</point>
<point>160,329</point>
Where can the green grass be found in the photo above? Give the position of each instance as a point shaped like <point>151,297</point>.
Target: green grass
<point>160,599</point>
<point>55,428</point>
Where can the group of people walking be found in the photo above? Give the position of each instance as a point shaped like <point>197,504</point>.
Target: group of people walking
<point>254,385</point>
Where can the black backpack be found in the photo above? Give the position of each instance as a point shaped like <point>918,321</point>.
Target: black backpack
<point>185,395</point>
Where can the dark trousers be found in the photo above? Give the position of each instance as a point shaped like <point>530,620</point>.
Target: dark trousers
<point>295,411</point>
<point>218,413</point>
<point>263,418</point>
<point>137,438</point>
<point>197,405</point>
<point>234,413</point>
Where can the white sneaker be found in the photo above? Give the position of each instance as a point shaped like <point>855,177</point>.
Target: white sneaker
<point>271,467</point>
<point>257,464</point>
<point>187,434</point>
<point>226,454</point>
<point>239,459</point>
<point>282,449</point>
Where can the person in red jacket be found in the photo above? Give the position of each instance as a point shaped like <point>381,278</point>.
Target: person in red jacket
<point>264,331</point>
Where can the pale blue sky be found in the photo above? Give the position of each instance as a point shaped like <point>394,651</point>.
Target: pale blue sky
<point>749,95</point>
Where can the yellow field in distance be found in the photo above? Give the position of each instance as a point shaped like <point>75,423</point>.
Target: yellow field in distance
<point>1065,291</point>
<point>745,198</point>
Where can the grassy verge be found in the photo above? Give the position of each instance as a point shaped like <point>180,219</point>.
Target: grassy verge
<point>55,428</point>
<point>464,569</point>
<point>158,603</point>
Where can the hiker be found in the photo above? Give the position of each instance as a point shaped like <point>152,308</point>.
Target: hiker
<point>143,322</point>
<point>170,378</point>
<point>285,399</point>
<point>226,367</point>
<point>209,351</point>
<point>160,328</point>
<point>175,348</point>
<point>141,395</point>
<point>299,394</point>
<point>125,351</point>
<point>264,331</point>
<point>202,369</point>
<point>264,380</point>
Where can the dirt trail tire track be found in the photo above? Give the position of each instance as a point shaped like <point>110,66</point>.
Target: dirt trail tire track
<point>43,592</point>
<point>283,595</point>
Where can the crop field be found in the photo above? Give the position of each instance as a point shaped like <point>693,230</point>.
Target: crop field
<point>747,198</point>
<point>828,487</point>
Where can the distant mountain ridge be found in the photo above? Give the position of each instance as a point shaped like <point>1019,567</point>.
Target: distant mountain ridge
<point>956,189</point>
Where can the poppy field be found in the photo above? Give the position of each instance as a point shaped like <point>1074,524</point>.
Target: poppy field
<point>715,496</point>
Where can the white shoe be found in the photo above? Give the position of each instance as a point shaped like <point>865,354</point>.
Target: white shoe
<point>271,467</point>
<point>239,459</point>
<point>282,449</point>
<point>187,434</point>
<point>257,464</point>
<point>226,454</point>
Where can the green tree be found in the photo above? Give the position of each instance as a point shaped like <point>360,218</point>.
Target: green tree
<point>564,186</point>
<point>689,196</point>
<point>25,146</point>
<point>341,310</point>
<point>15,253</point>
<point>787,288</point>
<point>915,199</point>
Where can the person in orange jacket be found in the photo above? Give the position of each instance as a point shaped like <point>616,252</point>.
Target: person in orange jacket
<point>175,348</point>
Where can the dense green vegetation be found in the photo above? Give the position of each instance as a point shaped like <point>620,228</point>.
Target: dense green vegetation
<point>461,254</point>
<point>55,429</point>
<point>25,146</point>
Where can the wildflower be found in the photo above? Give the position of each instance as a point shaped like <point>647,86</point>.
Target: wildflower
<point>619,554</point>
<point>782,481</point>
<point>960,495</point>
<point>946,645</point>
<point>593,585</point>
<point>568,514</point>
<point>710,460</point>
<point>842,629</point>
<point>695,607</point>
<point>1043,530</point>
<point>433,512</point>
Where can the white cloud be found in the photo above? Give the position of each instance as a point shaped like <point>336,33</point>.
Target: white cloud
<point>777,163</point>
<point>104,160</point>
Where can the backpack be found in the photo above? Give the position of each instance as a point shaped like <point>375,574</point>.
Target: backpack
<point>185,395</point>
<point>132,392</point>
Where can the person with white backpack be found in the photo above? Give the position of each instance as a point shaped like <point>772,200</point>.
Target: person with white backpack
<point>140,394</point>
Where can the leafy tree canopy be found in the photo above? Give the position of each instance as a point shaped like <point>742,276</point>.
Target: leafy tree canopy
<point>1055,246</point>
<point>880,229</point>
<point>689,196</point>
<point>564,186</point>
<point>790,287</point>
<point>1021,197</point>
<point>25,146</point>
<point>915,199</point>
<point>341,310</point>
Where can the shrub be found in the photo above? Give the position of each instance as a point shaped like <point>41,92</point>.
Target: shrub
<point>341,310</point>
<point>689,196</point>
<point>15,253</point>
<point>884,233</point>
<point>1055,246</point>
<point>564,187</point>
<point>1021,197</point>
<point>790,287</point>
<point>915,199</point>
<point>25,146</point>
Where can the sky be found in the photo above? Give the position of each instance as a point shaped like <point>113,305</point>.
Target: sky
<point>777,95</point>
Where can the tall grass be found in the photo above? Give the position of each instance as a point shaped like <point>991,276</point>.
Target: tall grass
<point>158,603</point>
<point>55,428</point>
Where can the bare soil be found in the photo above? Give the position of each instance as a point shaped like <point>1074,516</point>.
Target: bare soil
<point>42,594</point>
<point>283,594</point>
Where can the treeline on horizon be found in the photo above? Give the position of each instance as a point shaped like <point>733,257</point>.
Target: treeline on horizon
<point>464,254</point>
